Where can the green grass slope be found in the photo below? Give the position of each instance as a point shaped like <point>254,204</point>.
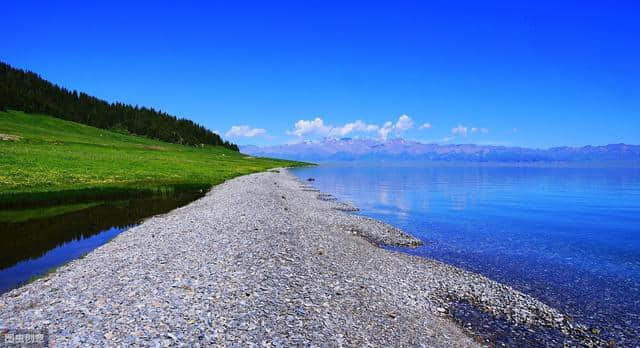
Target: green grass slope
<point>42,155</point>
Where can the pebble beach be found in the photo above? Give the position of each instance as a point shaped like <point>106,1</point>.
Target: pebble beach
<point>267,260</point>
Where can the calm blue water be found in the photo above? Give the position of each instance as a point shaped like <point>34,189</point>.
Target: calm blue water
<point>21,272</point>
<point>570,237</point>
<point>29,248</point>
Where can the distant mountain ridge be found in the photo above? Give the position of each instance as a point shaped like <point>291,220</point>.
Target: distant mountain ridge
<point>347,149</point>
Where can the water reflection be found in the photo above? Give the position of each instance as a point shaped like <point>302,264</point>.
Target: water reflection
<point>568,236</point>
<point>35,240</point>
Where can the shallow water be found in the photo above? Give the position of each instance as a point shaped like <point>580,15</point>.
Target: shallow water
<point>570,237</point>
<point>35,240</point>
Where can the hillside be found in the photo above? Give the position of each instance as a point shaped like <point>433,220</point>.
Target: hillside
<point>40,154</point>
<point>26,91</point>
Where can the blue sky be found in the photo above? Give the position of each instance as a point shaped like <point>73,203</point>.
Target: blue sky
<point>540,74</point>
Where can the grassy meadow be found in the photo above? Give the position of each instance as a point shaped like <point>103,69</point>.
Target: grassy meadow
<point>42,158</point>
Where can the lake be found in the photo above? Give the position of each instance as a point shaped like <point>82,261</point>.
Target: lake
<point>567,236</point>
<point>36,239</point>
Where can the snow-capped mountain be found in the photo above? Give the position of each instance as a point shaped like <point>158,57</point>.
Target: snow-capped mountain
<point>347,149</point>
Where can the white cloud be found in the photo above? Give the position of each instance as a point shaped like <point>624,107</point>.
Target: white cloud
<point>357,126</point>
<point>481,130</point>
<point>317,127</point>
<point>245,131</point>
<point>404,123</point>
<point>460,130</point>
<point>463,131</point>
<point>386,128</point>
<point>425,126</point>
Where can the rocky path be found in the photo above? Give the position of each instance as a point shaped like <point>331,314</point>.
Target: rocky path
<point>266,260</point>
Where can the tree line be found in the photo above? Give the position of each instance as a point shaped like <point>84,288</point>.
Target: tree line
<point>26,91</point>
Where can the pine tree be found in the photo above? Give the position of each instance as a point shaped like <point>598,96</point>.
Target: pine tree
<point>28,92</point>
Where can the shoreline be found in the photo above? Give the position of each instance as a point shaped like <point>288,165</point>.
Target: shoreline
<point>265,258</point>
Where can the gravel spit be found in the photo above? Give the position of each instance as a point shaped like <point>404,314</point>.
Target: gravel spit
<point>264,260</point>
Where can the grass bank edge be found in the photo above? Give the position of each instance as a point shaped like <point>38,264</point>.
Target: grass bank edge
<point>40,138</point>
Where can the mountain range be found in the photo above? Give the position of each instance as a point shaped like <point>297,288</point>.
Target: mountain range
<point>348,149</point>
